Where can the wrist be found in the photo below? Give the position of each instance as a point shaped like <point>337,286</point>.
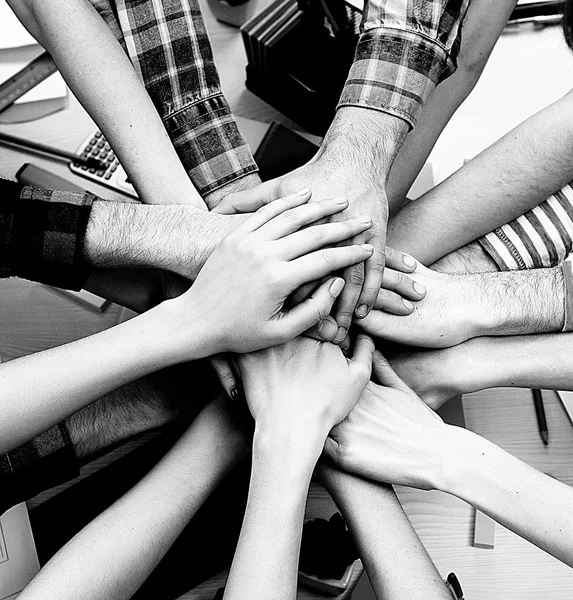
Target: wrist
<point>364,138</point>
<point>522,302</point>
<point>181,332</point>
<point>238,185</point>
<point>297,447</point>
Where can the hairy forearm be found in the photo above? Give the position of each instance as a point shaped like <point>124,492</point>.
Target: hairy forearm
<point>515,174</point>
<point>42,389</point>
<point>522,499</point>
<point>177,238</point>
<point>366,139</point>
<point>388,546</point>
<point>115,553</point>
<point>101,76</point>
<point>266,561</point>
<point>513,302</point>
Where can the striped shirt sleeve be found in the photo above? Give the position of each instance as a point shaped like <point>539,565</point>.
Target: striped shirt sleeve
<point>406,48</point>
<point>542,237</point>
<point>42,234</point>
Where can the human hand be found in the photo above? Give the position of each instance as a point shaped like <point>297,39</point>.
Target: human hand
<point>304,387</point>
<point>451,312</point>
<point>353,162</point>
<point>390,435</point>
<point>240,293</point>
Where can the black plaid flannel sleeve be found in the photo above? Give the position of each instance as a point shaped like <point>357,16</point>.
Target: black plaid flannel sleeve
<point>42,234</point>
<point>405,50</point>
<point>169,48</point>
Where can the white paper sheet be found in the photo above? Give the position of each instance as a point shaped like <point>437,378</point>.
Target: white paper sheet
<point>18,558</point>
<point>12,32</point>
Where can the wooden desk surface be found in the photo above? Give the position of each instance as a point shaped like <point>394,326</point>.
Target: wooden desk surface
<point>526,72</point>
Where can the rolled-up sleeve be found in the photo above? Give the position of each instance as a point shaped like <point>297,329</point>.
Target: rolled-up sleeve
<point>406,48</point>
<point>42,234</point>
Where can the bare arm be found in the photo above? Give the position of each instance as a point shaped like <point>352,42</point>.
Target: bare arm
<point>459,307</point>
<point>111,557</point>
<point>518,172</point>
<point>528,361</point>
<point>392,436</point>
<point>101,76</point>
<point>389,548</point>
<point>295,392</point>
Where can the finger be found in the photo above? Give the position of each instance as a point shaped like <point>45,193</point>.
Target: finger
<point>274,209</point>
<point>373,272</point>
<point>249,200</point>
<point>323,331</point>
<point>402,284</point>
<point>305,291</point>
<point>395,259</point>
<point>312,310</point>
<point>222,367</point>
<point>312,238</point>
<point>294,219</point>
<point>393,303</point>
<point>323,262</point>
<point>354,277</point>
<point>386,375</point>
<point>363,354</point>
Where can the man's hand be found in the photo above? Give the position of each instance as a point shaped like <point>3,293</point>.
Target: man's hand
<point>390,435</point>
<point>353,162</point>
<point>451,312</point>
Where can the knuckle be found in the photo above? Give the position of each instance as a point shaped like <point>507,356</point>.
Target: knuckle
<point>315,233</point>
<point>355,277</point>
<point>327,258</point>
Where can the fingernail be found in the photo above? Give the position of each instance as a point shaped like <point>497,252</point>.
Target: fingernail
<point>340,200</point>
<point>408,304</point>
<point>362,311</point>
<point>409,261</point>
<point>367,247</point>
<point>234,393</point>
<point>365,220</point>
<point>420,289</point>
<point>340,335</point>
<point>336,287</point>
<point>327,329</point>
<point>303,192</point>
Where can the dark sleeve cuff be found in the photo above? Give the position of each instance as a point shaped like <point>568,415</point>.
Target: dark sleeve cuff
<point>209,143</point>
<point>45,462</point>
<point>42,235</point>
<point>394,71</point>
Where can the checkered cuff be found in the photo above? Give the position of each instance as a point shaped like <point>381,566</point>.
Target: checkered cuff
<point>542,237</point>
<point>209,143</point>
<point>48,460</point>
<point>394,71</point>
<point>42,235</point>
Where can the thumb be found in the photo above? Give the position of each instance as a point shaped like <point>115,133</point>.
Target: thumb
<point>386,375</point>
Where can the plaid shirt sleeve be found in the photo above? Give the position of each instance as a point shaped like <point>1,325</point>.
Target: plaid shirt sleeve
<point>167,43</point>
<point>406,48</point>
<point>42,234</point>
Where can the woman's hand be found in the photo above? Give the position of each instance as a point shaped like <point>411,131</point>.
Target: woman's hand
<point>390,435</point>
<point>240,293</point>
<point>304,387</point>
